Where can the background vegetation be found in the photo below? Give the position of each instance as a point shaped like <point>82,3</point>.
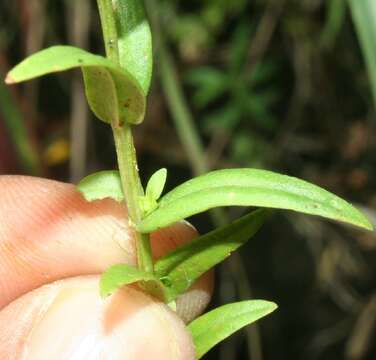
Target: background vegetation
<point>275,84</point>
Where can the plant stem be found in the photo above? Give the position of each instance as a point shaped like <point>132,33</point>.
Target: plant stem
<point>109,30</point>
<point>126,153</point>
<point>130,180</point>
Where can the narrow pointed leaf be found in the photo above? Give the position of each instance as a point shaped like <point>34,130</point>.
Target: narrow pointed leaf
<point>179,269</point>
<point>156,184</point>
<point>250,187</point>
<point>114,95</point>
<point>134,40</point>
<point>119,275</point>
<point>101,185</point>
<point>216,325</point>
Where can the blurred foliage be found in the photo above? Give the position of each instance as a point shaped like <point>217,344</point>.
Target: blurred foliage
<point>278,84</point>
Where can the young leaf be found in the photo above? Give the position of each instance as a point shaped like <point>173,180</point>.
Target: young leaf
<point>134,40</point>
<point>216,325</point>
<point>119,275</point>
<point>101,185</point>
<point>180,268</point>
<point>114,95</point>
<point>249,187</point>
<point>156,184</point>
<point>154,189</point>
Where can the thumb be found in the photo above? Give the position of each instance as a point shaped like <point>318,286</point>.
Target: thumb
<point>67,319</point>
<point>49,232</point>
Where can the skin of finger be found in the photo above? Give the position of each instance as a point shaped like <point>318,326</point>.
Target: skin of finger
<point>48,232</point>
<point>67,319</point>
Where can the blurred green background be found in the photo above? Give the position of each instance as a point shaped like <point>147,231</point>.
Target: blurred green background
<point>287,85</point>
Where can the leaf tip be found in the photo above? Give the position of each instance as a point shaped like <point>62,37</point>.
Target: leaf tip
<point>367,225</point>
<point>9,79</point>
<point>163,171</point>
<point>363,221</point>
<point>273,306</point>
<point>103,289</point>
<point>104,293</point>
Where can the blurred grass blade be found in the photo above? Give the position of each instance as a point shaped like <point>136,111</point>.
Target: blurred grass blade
<point>335,18</point>
<point>28,157</point>
<point>216,325</point>
<point>101,185</point>
<point>113,93</point>
<point>134,40</point>
<point>182,267</point>
<point>363,13</point>
<point>250,187</point>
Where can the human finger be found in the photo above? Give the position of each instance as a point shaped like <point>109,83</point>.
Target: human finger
<point>67,319</point>
<point>49,232</point>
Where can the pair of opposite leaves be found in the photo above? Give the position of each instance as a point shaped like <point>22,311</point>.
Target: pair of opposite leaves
<point>242,187</point>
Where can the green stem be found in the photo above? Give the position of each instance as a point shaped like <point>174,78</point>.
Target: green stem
<point>130,181</point>
<point>109,30</point>
<point>126,153</point>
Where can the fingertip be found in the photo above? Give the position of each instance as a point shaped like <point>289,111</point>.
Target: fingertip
<point>48,231</point>
<point>77,323</point>
<point>167,239</point>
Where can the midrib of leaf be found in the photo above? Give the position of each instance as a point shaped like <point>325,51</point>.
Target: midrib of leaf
<point>254,178</point>
<point>202,200</point>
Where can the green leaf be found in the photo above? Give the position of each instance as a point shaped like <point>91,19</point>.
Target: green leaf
<point>119,275</point>
<point>214,326</point>
<point>134,40</point>
<point>154,189</point>
<point>101,185</point>
<point>156,184</point>
<point>180,268</point>
<point>114,95</point>
<point>249,187</point>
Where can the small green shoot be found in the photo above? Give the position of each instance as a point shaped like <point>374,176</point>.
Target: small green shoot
<point>156,184</point>
<point>154,189</point>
